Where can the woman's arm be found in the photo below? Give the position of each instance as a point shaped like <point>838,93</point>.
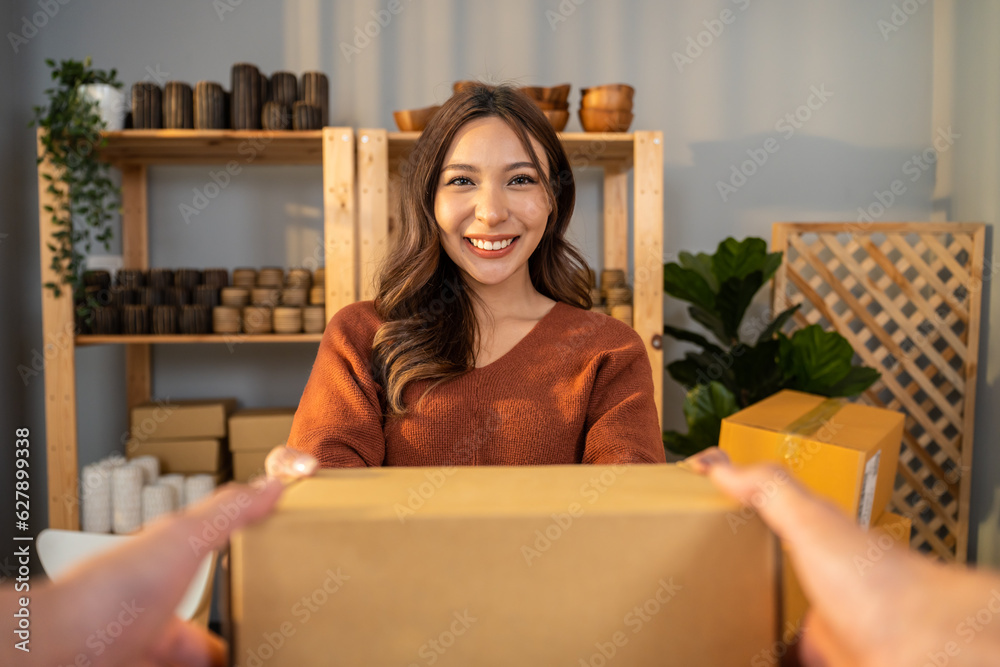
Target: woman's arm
<point>339,418</point>
<point>622,424</point>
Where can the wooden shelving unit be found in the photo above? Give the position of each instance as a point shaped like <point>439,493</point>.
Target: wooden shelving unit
<point>360,182</point>
<point>382,154</point>
<point>133,151</point>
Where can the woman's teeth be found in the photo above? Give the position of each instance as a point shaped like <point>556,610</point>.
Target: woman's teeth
<point>491,245</point>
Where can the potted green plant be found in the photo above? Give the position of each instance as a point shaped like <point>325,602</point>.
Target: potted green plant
<point>72,126</point>
<point>751,358</point>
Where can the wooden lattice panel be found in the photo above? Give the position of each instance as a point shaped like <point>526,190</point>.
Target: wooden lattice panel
<point>907,297</point>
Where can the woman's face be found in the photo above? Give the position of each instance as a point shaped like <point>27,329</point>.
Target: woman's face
<point>490,203</point>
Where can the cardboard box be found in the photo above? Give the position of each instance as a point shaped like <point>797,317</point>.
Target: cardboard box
<point>168,419</point>
<point>187,456</point>
<point>843,451</point>
<point>260,429</point>
<point>248,464</point>
<point>504,566</point>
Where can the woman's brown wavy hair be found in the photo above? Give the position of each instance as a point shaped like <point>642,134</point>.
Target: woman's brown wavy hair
<point>430,329</point>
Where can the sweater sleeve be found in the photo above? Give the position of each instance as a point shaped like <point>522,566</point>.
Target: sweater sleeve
<point>622,424</point>
<point>339,418</point>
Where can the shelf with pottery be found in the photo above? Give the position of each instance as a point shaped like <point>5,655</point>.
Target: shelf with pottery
<point>133,152</point>
<point>381,155</point>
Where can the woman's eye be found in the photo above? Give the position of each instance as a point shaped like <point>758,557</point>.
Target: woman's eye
<point>522,180</point>
<point>460,180</point>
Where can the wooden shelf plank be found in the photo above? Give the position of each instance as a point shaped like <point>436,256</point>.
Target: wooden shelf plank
<point>90,339</point>
<point>583,148</point>
<point>244,147</point>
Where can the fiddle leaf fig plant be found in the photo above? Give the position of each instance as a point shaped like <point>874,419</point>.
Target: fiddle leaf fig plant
<point>81,183</point>
<point>750,358</point>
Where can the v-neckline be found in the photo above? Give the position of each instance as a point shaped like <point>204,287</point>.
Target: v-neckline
<point>520,343</point>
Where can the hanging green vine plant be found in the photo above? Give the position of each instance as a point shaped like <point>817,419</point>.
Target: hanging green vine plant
<point>82,185</point>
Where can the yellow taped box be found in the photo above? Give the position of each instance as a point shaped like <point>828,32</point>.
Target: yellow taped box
<point>842,451</point>
<point>167,419</point>
<point>576,565</point>
<point>183,455</point>
<point>254,433</point>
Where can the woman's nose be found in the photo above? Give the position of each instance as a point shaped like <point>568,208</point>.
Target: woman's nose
<point>491,205</point>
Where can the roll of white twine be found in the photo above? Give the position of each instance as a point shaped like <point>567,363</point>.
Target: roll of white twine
<point>150,466</point>
<point>126,498</point>
<point>157,500</point>
<point>95,498</point>
<point>176,482</point>
<point>197,487</point>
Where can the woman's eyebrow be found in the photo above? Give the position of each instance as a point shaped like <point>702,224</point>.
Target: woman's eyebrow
<point>469,167</point>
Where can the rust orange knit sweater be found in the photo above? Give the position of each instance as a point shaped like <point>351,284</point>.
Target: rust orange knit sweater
<point>577,388</point>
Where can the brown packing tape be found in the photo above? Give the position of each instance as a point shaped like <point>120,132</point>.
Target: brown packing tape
<point>805,426</point>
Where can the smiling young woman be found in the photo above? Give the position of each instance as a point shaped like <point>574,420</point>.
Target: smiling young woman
<point>480,348</point>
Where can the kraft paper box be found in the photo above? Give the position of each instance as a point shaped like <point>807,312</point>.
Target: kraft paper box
<point>843,451</point>
<point>188,455</point>
<point>248,464</point>
<point>889,531</point>
<point>168,419</point>
<point>574,565</point>
<point>259,429</point>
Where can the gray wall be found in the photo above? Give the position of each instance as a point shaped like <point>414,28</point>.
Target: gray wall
<point>764,64</point>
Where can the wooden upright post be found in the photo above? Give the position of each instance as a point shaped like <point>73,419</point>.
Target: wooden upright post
<point>373,205</point>
<point>135,255</point>
<point>58,345</point>
<point>647,234</point>
<point>340,223</point>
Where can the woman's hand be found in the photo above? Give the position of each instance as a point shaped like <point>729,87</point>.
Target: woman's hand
<point>289,464</point>
<point>871,605</point>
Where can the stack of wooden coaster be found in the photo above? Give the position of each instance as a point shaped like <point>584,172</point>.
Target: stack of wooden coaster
<point>226,320</point>
<point>306,116</point>
<point>206,295</point>
<point>217,278</point>
<point>315,90</point>
<point>299,278</point>
<point>150,296</point>
<point>235,297</point>
<point>313,319</point>
<point>147,106</point>
<point>121,296</point>
<point>131,278</point>
<point>275,116</point>
<point>209,106</point>
<point>246,97</point>
<point>98,279</point>
<point>245,277</point>
<point>271,276</point>
<point>107,321</point>
<point>284,89</point>
<point>161,278</point>
<point>177,296</point>
<point>193,320</point>
<point>178,107</point>
<point>135,320</point>
<point>265,296</point>
<point>287,320</point>
<point>164,320</point>
<point>187,278</point>
<point>317,295</point>
<point>294,296</point>
<point>257,320</point>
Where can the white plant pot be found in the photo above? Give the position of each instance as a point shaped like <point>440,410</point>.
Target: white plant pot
<point>110,101</point>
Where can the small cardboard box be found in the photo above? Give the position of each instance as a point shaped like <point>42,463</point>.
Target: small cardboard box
<point>504,566</point>
<point>843,451</point>
<point>259,429</point>
<point>248,464</point>
<point>168,419</point>
<point>187,455</point>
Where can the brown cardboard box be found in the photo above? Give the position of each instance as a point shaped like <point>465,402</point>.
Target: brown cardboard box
<point>259,429</point>
<point>248,464</point>
<point>168,419</point>
<point>188,455</point>
<point>575,565</point>
<point>843,451</point>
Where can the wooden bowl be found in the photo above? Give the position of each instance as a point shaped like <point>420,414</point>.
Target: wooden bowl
<point>558,118</point>
<point>557,96</point>
<point>414,120</point>
<point>612,96</point>
<point>605,120</point>
<point>551,106</point>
